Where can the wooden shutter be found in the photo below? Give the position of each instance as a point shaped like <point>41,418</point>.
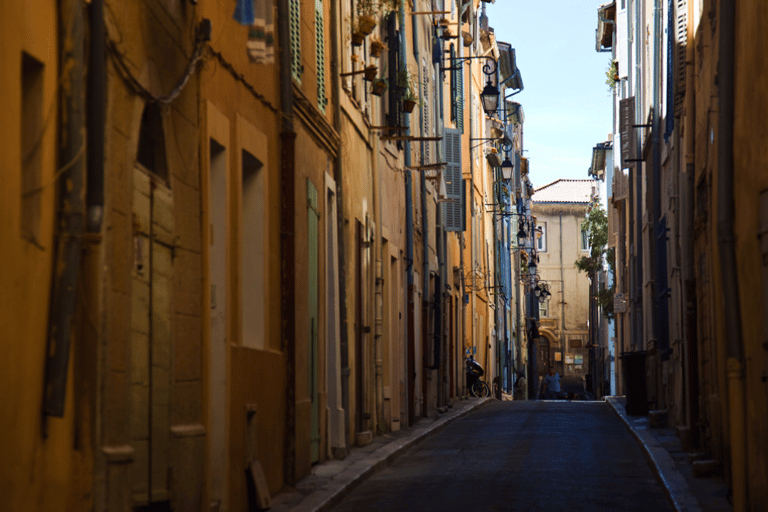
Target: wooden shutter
<point>626,120</point>
<point>322,100</point>
<point>295,31</point>
<point>454,207</point>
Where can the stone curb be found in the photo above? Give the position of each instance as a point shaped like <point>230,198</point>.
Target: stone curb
<point>674,482</point>
<point>343,483</point>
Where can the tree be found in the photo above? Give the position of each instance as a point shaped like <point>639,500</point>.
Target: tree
<point>596,227</point>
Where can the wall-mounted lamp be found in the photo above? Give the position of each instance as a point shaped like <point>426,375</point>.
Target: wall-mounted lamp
<point>490,94</point>
<point>507,168</point>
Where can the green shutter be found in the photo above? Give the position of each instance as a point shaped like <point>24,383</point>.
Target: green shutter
<point>459,98</point>
<point>295,31</point>
<point>322,101</point>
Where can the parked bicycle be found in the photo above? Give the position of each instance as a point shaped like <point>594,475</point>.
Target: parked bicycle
<point>476,386</point>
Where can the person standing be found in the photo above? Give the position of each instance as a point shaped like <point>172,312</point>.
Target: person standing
<point>551,384</point>
<point>521,387</point>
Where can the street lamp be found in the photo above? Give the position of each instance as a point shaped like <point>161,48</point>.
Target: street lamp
<point>490,94</point>
<point>506,168</point>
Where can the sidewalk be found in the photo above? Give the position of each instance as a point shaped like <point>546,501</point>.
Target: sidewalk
<point>330,481</point>
<point>673,466</point>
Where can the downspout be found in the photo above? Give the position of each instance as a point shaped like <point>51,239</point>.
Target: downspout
<point>287,234</point>
<point>338,177</point>
<point>656,205</point>
<point>411,370</point>
<point>425,291</point>
<point>70,221</point>
<point>378,329</point>
<point>727,249</point>
<point>97,78</point>
<point>638,167</point>
<point>562,289</point>
<point>689,278</point>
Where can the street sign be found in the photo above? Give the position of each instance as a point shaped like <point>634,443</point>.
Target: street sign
<point>619,303</point>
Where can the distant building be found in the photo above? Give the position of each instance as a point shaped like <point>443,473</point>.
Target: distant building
<point>559,209</point>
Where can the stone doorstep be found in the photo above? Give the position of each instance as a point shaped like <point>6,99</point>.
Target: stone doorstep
<point>705,468</point>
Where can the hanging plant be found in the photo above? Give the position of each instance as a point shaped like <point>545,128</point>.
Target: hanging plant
<point>378,86</point>
<point>408,86</point>
<point>377,47</point>
<point>370,72</point>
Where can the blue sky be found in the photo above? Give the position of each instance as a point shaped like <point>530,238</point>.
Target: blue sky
<point>566,101</point>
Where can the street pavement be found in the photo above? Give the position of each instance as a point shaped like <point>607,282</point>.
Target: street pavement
<point>485,454</point>
<point>520,456</point>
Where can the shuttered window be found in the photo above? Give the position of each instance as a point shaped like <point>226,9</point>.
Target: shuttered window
<point>457,91</point>
<point>682,43</point>
<point>295,32</point>
<point>425,115</point>
<point>454,207</point>
<point>322,100</point>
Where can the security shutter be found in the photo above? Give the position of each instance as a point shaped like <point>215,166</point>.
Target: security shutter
<point>295,32</point>
<point>457,91</point>
<point>322,101</point>
<point>454,208</point>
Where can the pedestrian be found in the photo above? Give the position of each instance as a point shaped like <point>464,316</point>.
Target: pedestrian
<point>521,386</point>
<point>551,384</point>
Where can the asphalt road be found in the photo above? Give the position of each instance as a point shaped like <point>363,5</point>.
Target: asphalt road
<point>546,456</point>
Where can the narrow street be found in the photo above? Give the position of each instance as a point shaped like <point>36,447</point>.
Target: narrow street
<point>520,456</point>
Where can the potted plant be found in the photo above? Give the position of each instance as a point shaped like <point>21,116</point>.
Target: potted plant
<point>612,74</point>
<point>377,46</point>
<point>407,85</point>
<point>370,72</point>
<point>366,10</point>
<point>378,86</point>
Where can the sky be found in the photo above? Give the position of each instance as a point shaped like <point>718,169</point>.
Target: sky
<point>566,102</point>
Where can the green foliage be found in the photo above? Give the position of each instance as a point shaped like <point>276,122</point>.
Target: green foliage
<point>612,74</point>
<point>596,226</point>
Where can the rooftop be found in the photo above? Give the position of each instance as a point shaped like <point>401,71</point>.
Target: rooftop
<point>566,191</point>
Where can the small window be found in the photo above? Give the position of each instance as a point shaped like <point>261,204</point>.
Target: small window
<point>541,237</point>
<point>584,240</point>
<point>151,154</point>
<point>31,148</point>
<point>544,309</point>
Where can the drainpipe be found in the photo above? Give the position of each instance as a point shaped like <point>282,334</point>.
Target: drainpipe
<point>562,290</point>
<point>411,370</point>
<point>288,230</point>
<point>656,238</point>
<point>70,222</point>
<point>338,177</point>
<point>378,328</point>
<point>689,278</point>
<point>425,291</point>
<point>638,168</point>
<point>726,248</point>
<point>97,78</point>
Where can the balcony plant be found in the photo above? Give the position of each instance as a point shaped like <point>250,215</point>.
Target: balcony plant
<point>377,46</point>
<point>408,86</point>
<point>378,86</point>
<point>370,72</point>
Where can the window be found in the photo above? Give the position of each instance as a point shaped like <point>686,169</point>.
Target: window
<point>544,309</point>
<point>541,237</point>
<point>322,100</point>
<point>584,240</point>
<point>252,252</point>
<point>151,152</point>
<point>31,148</point>
<point>295,35</point>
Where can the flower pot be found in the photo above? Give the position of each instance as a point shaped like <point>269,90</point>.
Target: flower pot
<point>370,73</point>
<point>378,87</point>
<point>358,38</point>
<point>365,24</point>
<point>376,48</point>
<point>409,105</point>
